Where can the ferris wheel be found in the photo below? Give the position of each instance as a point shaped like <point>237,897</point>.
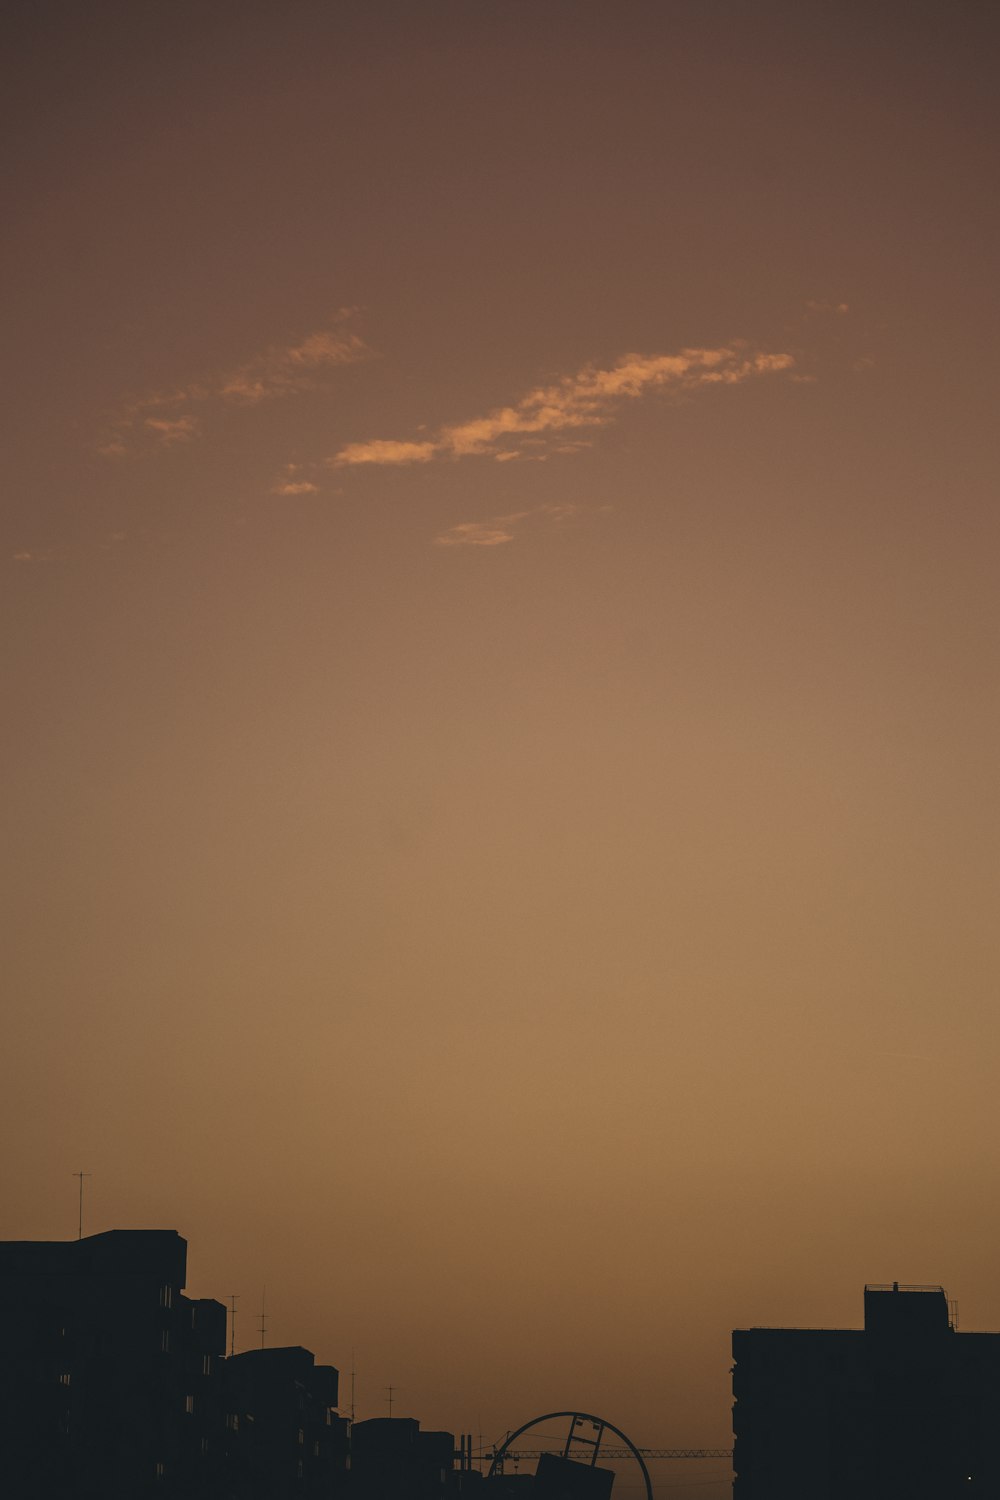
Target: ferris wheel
<point>582,1444</point>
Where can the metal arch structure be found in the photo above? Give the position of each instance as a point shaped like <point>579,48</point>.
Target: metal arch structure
<point>576,1418</point>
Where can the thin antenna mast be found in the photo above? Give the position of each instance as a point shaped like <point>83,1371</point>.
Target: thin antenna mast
<point>354,1371</point>
<point>391,1390</point>
<point>233,1299</point>
<point>263,1306</point>
<point>81,1176</point>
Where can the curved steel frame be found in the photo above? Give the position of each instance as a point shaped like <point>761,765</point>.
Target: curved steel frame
<point>586,1416</point>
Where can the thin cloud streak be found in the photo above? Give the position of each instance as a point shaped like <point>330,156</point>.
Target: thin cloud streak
<point>496,531</point>
<point>577,402</point>
<point>492,533</point>
<point>280,371</point>
<point>169,430</point>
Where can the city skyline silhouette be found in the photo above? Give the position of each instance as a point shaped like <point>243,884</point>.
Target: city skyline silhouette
<point>499,640</point>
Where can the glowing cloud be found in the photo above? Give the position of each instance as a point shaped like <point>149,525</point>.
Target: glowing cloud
<point>386,451</point>
<point>280,371</point>
<point>586,399</point>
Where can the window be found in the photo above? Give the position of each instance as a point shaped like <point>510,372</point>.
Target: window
<point>302,1437</point>
<point>206,1364</point>
<point>65,1378</point>
<point>189,1405</point>
<point>233,1422</point>
<point>161,1469</point>
<point>165,1341</point>
<point>204,1447</point>
<point>299,1474</point>
<point>166,1296</point>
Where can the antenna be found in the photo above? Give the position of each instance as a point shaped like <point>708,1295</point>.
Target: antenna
<point>391,1390</point>
<point>354,1372</point>
<point>263,1307</point>
<point>81,1176</point>
<point>233,1299</point>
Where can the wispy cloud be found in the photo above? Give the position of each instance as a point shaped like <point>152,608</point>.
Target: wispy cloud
<point>496,531</point>
<point>294,480</point>
<point>550,417</point>
<point>295,487</point>
<point>166,417</point>
<point>492,533</point>
<point>283,371</point>
<point>169,430</point>
<point>823,309</point>
<point>387,451</point>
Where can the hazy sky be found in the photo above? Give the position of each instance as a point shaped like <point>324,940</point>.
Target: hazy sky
<point>500,643</point>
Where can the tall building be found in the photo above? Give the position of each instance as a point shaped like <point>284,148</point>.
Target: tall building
<point>108,1372</point>
<point>906,1408</point>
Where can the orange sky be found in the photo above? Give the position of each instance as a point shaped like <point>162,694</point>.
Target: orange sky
<point>500,653</point>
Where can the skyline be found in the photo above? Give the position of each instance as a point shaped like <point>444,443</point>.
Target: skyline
<point>500,639</point>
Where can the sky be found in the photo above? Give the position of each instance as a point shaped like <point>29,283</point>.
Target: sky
<point>500,644</point>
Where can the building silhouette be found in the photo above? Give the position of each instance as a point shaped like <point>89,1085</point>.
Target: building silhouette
<point>391,1456</point>
<point>115,1386</point>
<point>109,1374</point>
<point>906,1409</point>
<point>559,1478</point>
<point>283,1435</point>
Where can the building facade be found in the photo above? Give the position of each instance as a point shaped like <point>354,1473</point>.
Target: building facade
<point>108,1374</point>
<point>906,1408</point>
<point>284,1437</point>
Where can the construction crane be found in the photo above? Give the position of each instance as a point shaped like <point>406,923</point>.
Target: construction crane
<point>628,1452</point>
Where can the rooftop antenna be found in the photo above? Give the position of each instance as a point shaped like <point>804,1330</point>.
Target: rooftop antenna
<point>391,1390</point>
<point>233,1299</point>
<point>263,1306</point>
<point>81,1176</point>
<point>354,1372</point>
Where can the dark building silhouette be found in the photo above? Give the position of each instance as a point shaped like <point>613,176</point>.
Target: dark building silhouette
<point>564,1479</point>
<point>108,1373</point>
<point>283,1435</point>
<point>906,1409</point>
<point>390,1456</point>
<point>115,1386</point>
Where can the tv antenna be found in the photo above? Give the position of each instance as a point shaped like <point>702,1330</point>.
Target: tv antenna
<point>233,1299</point>
<point>263,1310</point>
<point>391,1390</point>
<point>354,1372</point>
<point>81,1176</point>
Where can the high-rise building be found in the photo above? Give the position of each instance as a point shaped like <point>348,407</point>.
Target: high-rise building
<point>906,1408</point>
<point>108,1372</point>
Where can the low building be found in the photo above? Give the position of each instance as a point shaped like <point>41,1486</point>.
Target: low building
<point>564,1479</point>
<point>283,1435</point>
<point>904,1409</point>
<point>391,1459</point>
